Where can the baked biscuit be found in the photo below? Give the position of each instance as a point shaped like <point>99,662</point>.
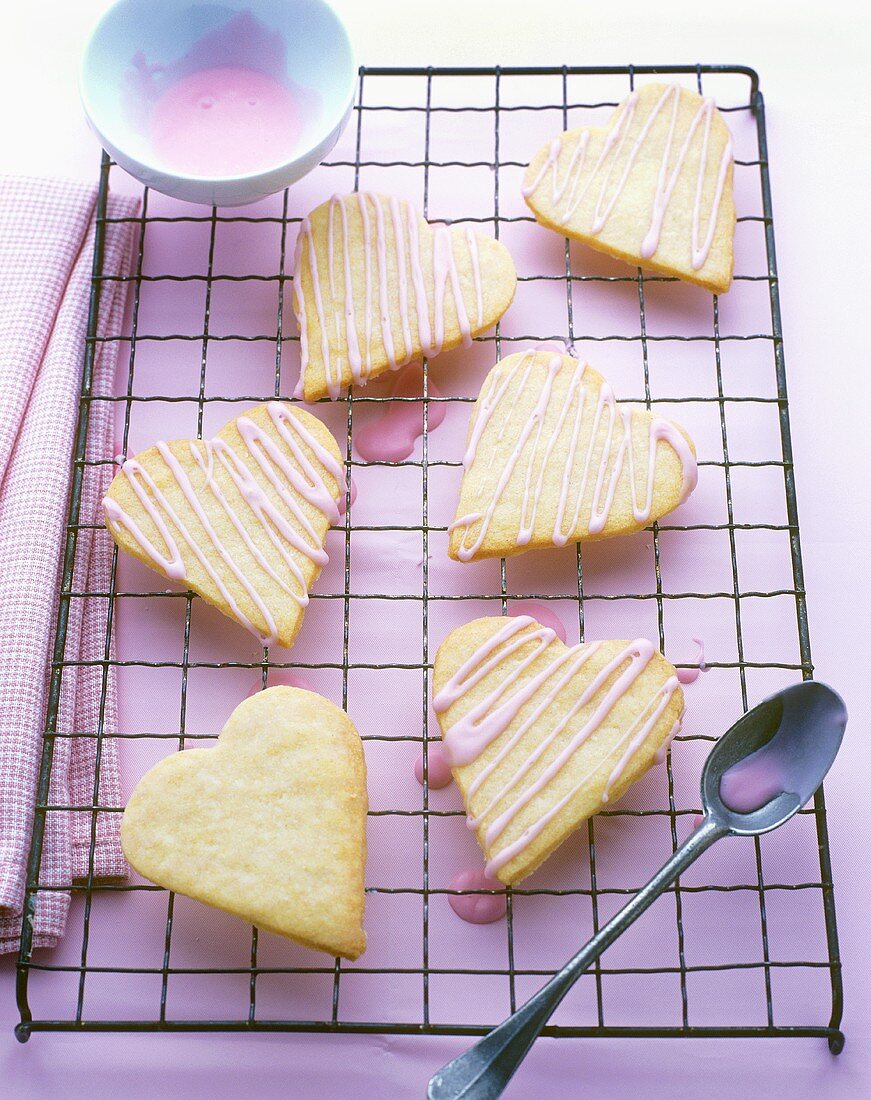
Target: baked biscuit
<point>539,736</point>
<point>240,519</point>
<point>653,187</point>
<point>376,286</point>
<point>269,824</point>
<point>552,458</point>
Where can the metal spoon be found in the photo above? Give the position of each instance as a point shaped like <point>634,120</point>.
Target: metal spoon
<point>790,741</point>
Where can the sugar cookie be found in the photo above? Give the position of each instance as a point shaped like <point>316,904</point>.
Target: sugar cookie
<point>539,736</point>
<point>376,286</point>
<point>269,824</point>
<point>653,187</point>
<point>552,459</point>
<point>240,519</point>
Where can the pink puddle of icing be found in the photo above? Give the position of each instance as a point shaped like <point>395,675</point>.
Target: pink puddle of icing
<point>438,774</point>
<point>391,436</point>
<point>755,780</point>
<point>343,499</point>
<point>477,908</point>
<point>225,121</point>
<point>544,615</point>
<point>281,677</point>
<point>690,675</point>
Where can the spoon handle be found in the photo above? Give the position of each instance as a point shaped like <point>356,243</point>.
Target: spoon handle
<point>483,1071</point>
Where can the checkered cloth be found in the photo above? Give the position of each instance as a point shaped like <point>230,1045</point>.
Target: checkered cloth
<point>46,251</point>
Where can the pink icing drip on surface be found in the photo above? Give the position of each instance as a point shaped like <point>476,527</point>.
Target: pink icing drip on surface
<point>391,436</point>
<point>542,613</point>
<point>690,675</point>
<point>438,772</point>
<point>666,182</point>
<point>477,908</point>
<point>605,485</point>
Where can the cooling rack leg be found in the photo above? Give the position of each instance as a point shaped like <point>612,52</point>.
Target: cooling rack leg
<point>836,1043</point>
<point>22,1032</point>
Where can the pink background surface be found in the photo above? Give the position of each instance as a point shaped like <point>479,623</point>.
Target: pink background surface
<point>835,543</point>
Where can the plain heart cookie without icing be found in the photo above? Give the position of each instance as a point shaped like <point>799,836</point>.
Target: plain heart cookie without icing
<point>269,824</point>
<point>539,735</point>
<point>552,458</point>
<point>240,519</point>
<point>377,286</point>
<point>653,187</point>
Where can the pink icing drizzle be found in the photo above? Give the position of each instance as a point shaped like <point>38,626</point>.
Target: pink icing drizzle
<point>570,187</point>
<point>391,436</point>
<point>438,772</point>
<point>343,499</point>
<point>498,388</point>
<point>477,908</point>
<point>405,225</point>
<point>690,675</point>
<point>471,734</point>
<point>308,483</point>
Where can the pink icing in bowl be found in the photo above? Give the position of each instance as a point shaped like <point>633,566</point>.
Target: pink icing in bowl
<point>167,86</point>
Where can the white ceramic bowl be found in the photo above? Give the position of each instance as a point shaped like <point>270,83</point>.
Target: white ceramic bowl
<point>141,47</point>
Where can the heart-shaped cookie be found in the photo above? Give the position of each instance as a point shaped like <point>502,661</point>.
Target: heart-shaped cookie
<point>539,735</point>
<point>552,458</point>
<point>376,286</point>
<point>269,824</point>
<point>240,519</point>
<point>653,187</point>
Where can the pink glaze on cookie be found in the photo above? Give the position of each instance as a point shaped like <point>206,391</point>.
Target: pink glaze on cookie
<point>391,436</point>
<point>307,480</point>
<point>603,473</point>
<point>477,908</point>
<point>438,772</point>
<point>406,229</point>
<point>470,735</point>
<point>542,613</point>
<point>690,675</point>
<point>570,190</point>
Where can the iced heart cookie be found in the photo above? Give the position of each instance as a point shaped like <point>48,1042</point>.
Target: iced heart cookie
<point>552,459</point>
<point>376,286</point>
<point>269,824</point>
<point>539,735</point>
<point>240,519</point>
<point>653,187</point>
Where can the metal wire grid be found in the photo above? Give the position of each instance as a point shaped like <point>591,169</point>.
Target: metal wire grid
<point>26,965</point>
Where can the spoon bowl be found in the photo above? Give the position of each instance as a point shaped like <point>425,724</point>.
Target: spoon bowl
<point>783,748</point>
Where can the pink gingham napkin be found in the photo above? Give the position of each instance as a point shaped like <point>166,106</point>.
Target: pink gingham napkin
<point>46,252</point>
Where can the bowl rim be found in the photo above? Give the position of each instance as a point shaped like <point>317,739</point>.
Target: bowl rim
<point>106,137</point>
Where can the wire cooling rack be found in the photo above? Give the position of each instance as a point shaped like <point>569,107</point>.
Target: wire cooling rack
<point>683,1009</point>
